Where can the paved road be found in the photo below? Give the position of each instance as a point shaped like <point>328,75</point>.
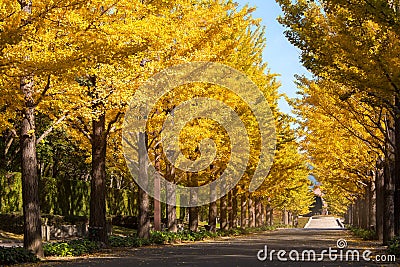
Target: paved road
<point>240,251</point>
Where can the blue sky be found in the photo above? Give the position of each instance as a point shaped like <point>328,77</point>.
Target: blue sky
<point>281,56</point>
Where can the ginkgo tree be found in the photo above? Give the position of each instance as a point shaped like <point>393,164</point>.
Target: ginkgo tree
<point>350,47</point>
<point>287,186</point>
<point>43,45</point>
<point>180,32</point>
<point>47,47</point>
<point>80,62</point>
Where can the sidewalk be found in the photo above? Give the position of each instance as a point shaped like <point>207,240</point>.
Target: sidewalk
<point>323,222</point>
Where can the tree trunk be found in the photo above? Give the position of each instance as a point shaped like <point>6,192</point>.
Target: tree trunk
<point>223,213</point>
<point>285,219</point>
<point>258,212</point>
<point>212,211</point>
<point>379,201</point>
<point>194,210</point>
<point>234,208</point>
<point>243,211</point>
<point>271,217</point>
<point>30,181</point>
<point>252,214</point>
<point>157,189</point>
<point>363,213</point>
<point>358,212</point>
<point>350,215</point>
<point>182,213</point>
<point>144,201</point>
<point>193,219</point>
<point>171,219</point>
<point>230,210</point>
<point>263,213</point>
<point>396,170</point>
<point>212,216</point>
<point>171,196</point>
<point>388,212</point>
<point>372,203</point>
<point>268,215</point>
<point>355,214</point>
<point>97,222</point>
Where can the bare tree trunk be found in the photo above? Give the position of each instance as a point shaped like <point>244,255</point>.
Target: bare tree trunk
<point>144,201</point>
<point>396,168</point>
<point>171,196</point>
<point>360,212</point>
<point>234,208</point>
<point>356,216</point>
<point>243,211</point>
<point>389,181</point>
<point>194,210</point>
<point>212,211</point>
<point>30,180</point>
<point>230,210</point>
<point>252,213</point>
<point>347,215</point>
<point>379,201</point>
<point>388,212</point>
<point>172,226</point>
<point>193,218</point>
<point>271,217</point>
<point>97,222</point>
<point>268,215</point>
<point>223,213</point>
<point>372,203</point>
<point>363,213</point>
<point>263,213</point>
<point>258,212</point>
<point>285,219</point>
<point>157,189</point>
<point>144,218</point>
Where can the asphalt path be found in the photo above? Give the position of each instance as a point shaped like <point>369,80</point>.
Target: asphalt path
<point>253,250</point>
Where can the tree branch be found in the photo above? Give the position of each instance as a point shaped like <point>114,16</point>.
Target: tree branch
<point>110,124</point>
<point>49,130</point>
<point>46,88</point>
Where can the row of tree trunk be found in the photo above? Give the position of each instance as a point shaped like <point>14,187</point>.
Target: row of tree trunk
<point>233,211</point>
<point>375,209</point>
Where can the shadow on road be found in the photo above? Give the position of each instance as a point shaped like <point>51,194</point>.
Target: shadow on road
<point>240,251</point>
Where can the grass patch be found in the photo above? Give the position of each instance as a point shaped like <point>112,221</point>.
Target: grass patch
<point>302,221</point>
<point>11,236</point>
<point>122,231</point>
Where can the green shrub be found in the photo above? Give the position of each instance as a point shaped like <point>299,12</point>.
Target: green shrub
<point>365,234</point>
<point>163,237</point>
<point>16,255</point>
<point>158,237</point>
<point>394,246</point>
<point>72,248</point>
